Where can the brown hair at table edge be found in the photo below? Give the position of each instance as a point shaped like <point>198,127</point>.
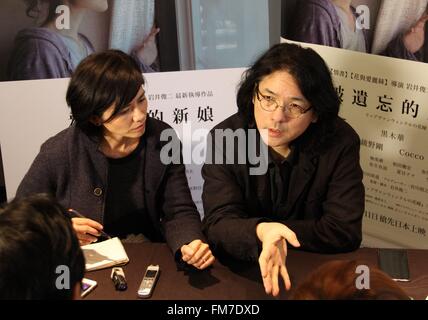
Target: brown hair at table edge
<point>336,280</point>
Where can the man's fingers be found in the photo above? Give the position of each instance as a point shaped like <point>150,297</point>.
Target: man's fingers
<point>265,262</point>
<point>272,266</point>
<point>185,257</point>
<point>187,252</point>
<point>291,237</point>
<point>267,283</point>
<point>284,275</point>
<point>197,254</point>
<point>203,259</point>
<point>282,268</point>
<point>274,280</point>
<point>195,244</point>
<point>200,252</point>
<point>206,261</point>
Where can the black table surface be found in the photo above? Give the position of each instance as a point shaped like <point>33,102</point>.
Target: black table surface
<point>232,281</point>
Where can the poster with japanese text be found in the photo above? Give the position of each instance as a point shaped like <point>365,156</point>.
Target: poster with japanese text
<point>384,99</point>
<point>193,102</point>
<point>386,102</point>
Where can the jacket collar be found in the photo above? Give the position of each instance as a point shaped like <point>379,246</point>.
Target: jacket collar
<point>154,168</point>
<point>301,177</point>
<point>305,162</point>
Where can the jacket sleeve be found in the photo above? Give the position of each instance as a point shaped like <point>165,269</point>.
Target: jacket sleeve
<point>339,226</point>
<point>181,221</point>
<point>227,225</point>
<point>39,178</point>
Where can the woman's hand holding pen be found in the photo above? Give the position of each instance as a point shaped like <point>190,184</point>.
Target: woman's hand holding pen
<point>87,230</point>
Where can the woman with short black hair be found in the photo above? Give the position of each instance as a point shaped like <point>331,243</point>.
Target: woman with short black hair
<point>108,164</point>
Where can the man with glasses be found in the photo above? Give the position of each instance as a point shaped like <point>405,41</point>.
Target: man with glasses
<point>311,195</point>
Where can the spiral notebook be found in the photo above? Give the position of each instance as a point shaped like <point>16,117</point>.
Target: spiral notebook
<point>104,254</point>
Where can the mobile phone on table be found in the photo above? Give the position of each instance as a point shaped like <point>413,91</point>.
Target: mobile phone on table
<point>149,281</point>
<point>87,285</point>
<point>394,262</point>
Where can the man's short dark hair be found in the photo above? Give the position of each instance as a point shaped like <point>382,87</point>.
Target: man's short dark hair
<point>313,78</point>
<point>100,80</point>
<point>36,237</point>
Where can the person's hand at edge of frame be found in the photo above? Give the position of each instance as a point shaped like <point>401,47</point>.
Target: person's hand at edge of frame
<point>414,38</point>
<point>147,52</point>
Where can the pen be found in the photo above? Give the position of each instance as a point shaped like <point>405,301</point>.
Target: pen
<point>79,215</point>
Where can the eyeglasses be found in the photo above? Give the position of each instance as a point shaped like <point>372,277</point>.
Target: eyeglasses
<point>270,104</point>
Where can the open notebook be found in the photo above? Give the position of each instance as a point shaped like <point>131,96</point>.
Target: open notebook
<point>104,254</point>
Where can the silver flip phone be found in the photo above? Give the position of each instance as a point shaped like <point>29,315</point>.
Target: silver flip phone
<point>148,283</point>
